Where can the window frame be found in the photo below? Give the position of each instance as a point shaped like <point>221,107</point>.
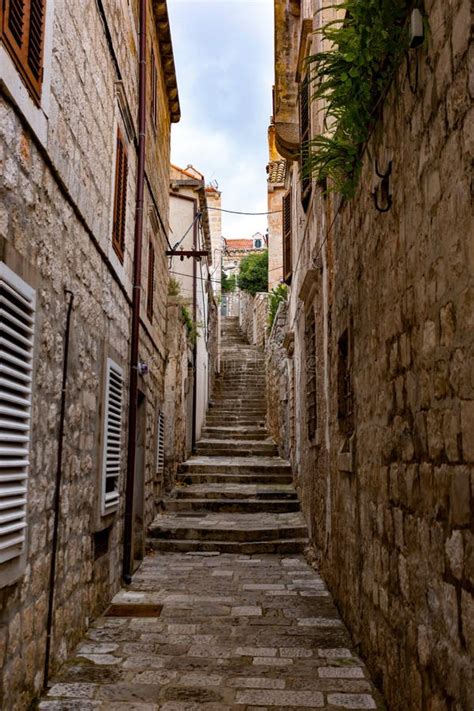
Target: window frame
<point>304,105</point>
<point>119,219</point>
<point>19,44</point>
<point>150,280</point>
<point>287,207</point>
<point>310,373</point>
<point>13,564</point>
<point>108,446</point>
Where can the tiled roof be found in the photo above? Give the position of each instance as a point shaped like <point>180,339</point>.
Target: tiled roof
<point>276,171</point>
<point>239,244</point>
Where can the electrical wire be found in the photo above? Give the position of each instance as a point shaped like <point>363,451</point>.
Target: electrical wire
<point>237,212</point>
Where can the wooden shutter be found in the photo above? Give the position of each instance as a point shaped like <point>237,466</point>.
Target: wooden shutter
<point>17,313</point>
<point>113,417</point>
<point>311,393</point>
<point>154,91</point>
<point>305,136</point>
<point>151,281</point>
<point>287,265</point>
<point>160,444</point>
<point>120,198</point>
<point>23,34</point>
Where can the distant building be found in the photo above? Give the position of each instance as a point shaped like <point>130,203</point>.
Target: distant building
<point>276,171</point>
<point>190,231</point>
<point>236,249</point>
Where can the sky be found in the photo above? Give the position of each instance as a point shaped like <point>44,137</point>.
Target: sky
<point>223,52</point>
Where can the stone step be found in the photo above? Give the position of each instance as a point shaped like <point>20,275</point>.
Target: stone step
<point>286,546</point>
<point>263,447</point>
<point>233,432</point>
<point>239,420</point>
<point>235,477</point>
<point>236,527</point>
<point>251,466</point>
<point>233,505</point>
<point>258,492</point>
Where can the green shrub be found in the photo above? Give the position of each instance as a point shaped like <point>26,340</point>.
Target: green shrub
<point>253,273</point>
<point>352,78</point>
<point>277,295</point>
<point>228,283</point>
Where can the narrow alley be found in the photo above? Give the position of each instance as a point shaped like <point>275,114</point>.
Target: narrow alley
<point>225,613</point>
<point>236,355</point>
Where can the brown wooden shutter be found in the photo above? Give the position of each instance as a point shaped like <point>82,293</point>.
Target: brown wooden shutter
<point>305,136</point>
<point>287,265</point>
<point>120,199</point>
<point>23,34</point>
<point>311,392</point>
<point>151,281</point>
<point>154,90</point>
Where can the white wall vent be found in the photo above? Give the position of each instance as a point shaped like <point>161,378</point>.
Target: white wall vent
<point>17,320</point>
<point>160,444</point>
<point>113,418</point>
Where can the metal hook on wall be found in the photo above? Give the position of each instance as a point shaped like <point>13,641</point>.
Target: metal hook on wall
<point>385,189</point>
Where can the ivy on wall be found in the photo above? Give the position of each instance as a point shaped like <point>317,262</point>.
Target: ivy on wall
<point>367,43</point>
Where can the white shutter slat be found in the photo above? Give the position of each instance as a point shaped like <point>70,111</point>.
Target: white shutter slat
<point>160,444</point>
<point>17,312</point>
<point>113,419</point>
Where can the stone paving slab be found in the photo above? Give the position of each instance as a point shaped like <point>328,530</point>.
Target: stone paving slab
<point>235,632</point>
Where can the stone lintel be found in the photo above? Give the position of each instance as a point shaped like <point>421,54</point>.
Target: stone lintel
<point>309,286</point>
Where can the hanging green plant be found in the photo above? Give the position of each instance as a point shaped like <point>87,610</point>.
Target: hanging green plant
<point>367,43</point>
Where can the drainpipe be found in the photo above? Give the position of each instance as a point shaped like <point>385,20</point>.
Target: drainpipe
<point>57,493</point>
<point>135,326</point>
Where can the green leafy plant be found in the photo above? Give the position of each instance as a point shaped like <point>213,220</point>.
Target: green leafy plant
<point>253,273</point>
<point>174,287</point>
<point>278,294</point>
<point>352,77</point>
<point>191,327</point>
<point>228,282</point>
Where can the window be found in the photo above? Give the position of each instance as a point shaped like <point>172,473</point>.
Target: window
<point>112,437</point>
<point>287,266</point>
<point>305,136</point>
<point>154,88</point>
<point>310,353</point>
<point>258,243</point>
<point>151,281</point>
<point>345,394</point>
<point>17,314</point>
<point>160,444</point>
<point>120,198</point>
<point>22,30</point>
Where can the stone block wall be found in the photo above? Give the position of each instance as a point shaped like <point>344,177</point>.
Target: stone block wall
<point>253,317</point>
<point>178,384</point>
<point>390,509</point>
<point>56,203</point>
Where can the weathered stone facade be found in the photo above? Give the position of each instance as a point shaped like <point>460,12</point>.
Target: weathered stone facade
<point>57,196</point>
<point>253,317</point>
<point>387,484</point>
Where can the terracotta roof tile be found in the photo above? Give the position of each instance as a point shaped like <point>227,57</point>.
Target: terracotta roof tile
<point>276,171</point>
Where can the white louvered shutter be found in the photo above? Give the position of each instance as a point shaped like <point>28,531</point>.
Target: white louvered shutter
<point>112,437</point>
<point>160,444</point>
<point>17,316</point>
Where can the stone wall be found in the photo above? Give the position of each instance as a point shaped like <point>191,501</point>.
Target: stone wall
<point>55,233</point>
<point>178,381</point>
<point>389,497</point>
<point>278,384</point>
<point>253,317</point>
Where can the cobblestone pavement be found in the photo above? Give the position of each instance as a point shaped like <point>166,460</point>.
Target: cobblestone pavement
<point>235,632</point>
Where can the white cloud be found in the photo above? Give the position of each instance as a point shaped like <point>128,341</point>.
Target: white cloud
<point>225,68</point>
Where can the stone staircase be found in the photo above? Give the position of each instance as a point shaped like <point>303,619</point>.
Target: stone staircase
<point>235,494</point>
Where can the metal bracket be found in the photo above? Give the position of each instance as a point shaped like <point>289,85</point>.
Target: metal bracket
<point>385,189</point>
<point>182,253</point>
